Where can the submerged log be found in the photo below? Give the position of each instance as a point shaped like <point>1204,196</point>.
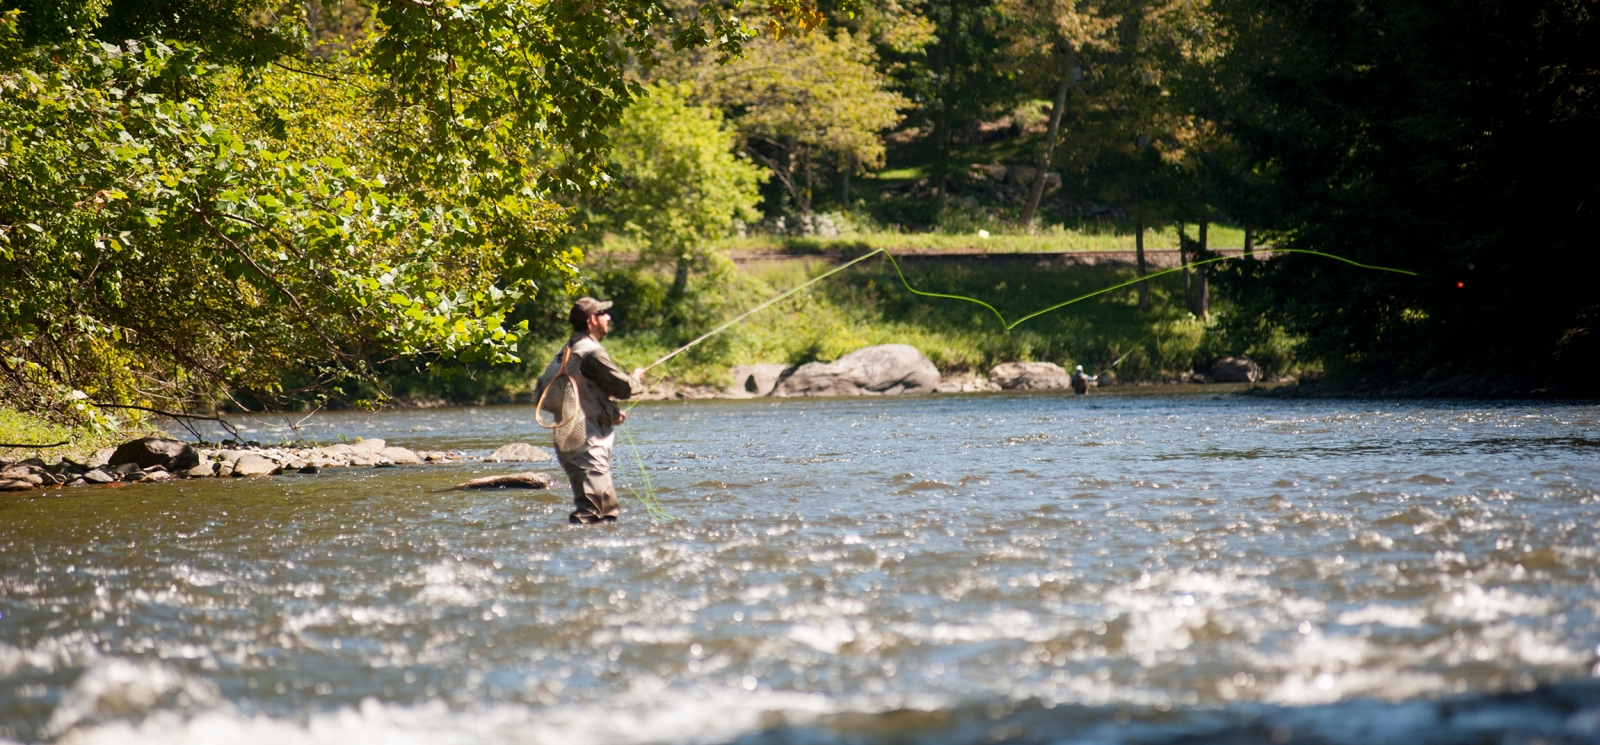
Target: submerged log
<point>524,480</point>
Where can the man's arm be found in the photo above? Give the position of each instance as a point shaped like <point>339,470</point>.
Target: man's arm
<point>598,367</point>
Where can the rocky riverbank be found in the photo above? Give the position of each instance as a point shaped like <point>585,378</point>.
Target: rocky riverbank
<point>899,369</point>
<point>151,459</point>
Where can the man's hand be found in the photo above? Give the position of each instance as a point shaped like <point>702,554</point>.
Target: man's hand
<point>638,374</point>
<point>622,416</point>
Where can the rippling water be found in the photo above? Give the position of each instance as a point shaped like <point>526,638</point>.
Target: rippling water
<point>1007,568</point>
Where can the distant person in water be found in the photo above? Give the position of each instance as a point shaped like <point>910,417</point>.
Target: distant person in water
<point>600,384</point>
<point>1081,381</point>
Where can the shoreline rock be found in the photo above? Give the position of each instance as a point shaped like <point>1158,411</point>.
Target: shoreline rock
<point>174,459</point>
<point>1030,376</point>
<point>884,370</point>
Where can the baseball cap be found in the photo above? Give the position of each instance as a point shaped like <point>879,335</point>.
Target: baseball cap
<point>585,307</point>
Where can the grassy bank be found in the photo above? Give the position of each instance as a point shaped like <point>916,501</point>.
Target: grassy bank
<point>868,305</point>
<point>1003,237</point>
<point>81,442</point>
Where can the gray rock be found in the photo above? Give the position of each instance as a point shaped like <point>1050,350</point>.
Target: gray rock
<point>967,385</point>
<point>202,471</point>
<point>251,464</point>
<point>887,369</point>
<point>98,476</point>
<point>368,445</point>
<point>1235,370</point>
<point>339,450</point>
<point>993,171</point>
<point>123,470</point>
<point>1023,175</point>
<point>16,472</point>
<point>16,485</point>
<point>400,456</point>
<point>101,457</point>
<point>755,380</point>
<point>224,470</point>
<point>308,469</point>
<point>524,480</point>
<point>1027,376</point>
<point>519,452</point>
<point>172,455</point>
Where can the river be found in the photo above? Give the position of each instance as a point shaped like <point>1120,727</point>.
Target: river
<point>1033,568</point>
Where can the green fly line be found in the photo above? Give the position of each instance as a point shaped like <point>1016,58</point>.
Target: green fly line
<point>653,505</point>
<point>1058,306</point>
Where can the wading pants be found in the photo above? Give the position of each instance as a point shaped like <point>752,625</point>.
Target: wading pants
<point>589,470</point>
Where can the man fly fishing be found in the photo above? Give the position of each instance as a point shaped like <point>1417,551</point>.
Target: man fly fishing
<point>581,386</point>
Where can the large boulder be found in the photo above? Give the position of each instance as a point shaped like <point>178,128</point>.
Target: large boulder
<point>883,370</point>
<point>1235,370</point>
<point>755,380</point>
<point>1030,376</point>
<point>251,464</point>
<point>399,455</point>
<point>172,455</point>
<point>519,452</point>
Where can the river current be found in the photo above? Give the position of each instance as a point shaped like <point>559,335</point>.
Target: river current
<point>1033,568</point>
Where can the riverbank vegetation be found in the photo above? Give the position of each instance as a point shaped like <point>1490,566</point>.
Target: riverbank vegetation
<point>237,205</point>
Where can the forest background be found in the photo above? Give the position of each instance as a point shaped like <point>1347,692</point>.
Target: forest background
<point>217,204</point>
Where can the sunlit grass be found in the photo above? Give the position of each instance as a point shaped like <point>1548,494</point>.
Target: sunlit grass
<point>21,428</point>
<point>1001,239</point>
<point>868,305</point>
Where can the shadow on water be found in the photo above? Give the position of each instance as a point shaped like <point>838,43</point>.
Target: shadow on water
<point>1412,448</point>
<point>1558,714</point>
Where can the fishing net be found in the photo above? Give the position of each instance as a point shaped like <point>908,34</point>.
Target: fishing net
<point>560,399</point>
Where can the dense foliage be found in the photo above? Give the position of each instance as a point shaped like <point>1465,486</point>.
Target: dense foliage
<point>205,198</point>
<point>1455,139</point>
<point>199,204</point>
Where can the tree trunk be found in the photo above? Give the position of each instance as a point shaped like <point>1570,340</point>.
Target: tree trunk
<point>1204,299</point>
<point>1183,260</point>
<point>1036,189</point>
<point>680,278</point>
<point>1138,245</point>
<point>847,163</point>
<point>941,181</point>
<point>805,206</point>
<point>1249,242</point>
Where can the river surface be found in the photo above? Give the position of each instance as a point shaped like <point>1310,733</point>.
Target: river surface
<point>984,568</point>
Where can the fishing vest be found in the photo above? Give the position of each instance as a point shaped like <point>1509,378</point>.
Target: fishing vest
<point>593,401</point>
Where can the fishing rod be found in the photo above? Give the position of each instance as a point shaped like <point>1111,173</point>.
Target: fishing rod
<point>758,308</point>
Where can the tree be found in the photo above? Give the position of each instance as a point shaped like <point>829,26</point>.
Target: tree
<point>1050,39</point>
<point>798,99</point>
<point>681,184</point>
<point>962,75</point>
<point>182,219</point>
<point>1446,138</point>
